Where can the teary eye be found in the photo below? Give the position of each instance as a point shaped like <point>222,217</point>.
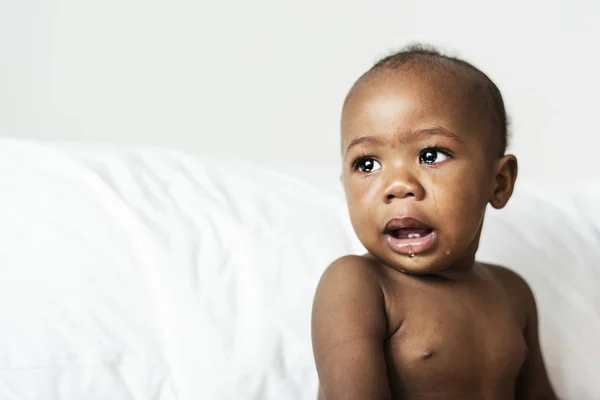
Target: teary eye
<point>366,164</point>
<point>432,156</point>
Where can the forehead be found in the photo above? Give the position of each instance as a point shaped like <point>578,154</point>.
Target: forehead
<point>391,102</point>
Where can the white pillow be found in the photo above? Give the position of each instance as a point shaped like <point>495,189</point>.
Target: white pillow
<point>149,274</point>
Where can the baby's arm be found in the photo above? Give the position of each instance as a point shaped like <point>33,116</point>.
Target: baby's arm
<point>533,382</point>
<point>349,327</point>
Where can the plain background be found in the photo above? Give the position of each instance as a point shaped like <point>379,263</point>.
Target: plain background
<point>264,80</point>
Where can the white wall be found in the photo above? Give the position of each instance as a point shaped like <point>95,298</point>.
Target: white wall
<point>264,80</point>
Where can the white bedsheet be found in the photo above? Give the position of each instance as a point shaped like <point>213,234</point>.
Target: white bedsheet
<point>150,274</point>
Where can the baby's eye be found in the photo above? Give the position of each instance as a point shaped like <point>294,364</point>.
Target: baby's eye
<point>432,156</point>
<point>366,164</point>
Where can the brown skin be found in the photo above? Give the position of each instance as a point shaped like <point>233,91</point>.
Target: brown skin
<point>439,325</point>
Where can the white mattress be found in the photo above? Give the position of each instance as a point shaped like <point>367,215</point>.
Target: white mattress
<point>150,274</point>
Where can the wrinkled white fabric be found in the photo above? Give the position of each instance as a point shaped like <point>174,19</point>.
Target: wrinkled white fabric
<point>132,274</point>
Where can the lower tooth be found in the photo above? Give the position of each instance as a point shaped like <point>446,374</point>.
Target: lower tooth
<point>414,235</point>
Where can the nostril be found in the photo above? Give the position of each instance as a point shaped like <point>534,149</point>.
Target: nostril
<point>404,195</point>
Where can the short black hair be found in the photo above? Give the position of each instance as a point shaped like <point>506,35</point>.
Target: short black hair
<point>492,103</point>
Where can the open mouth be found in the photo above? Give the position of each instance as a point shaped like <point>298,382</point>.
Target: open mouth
<point>408,235</point>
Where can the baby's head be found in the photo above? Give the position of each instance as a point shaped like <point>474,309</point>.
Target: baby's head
<point>423,151</point>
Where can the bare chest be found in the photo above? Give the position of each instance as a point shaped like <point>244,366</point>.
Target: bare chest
<point>453,344</point>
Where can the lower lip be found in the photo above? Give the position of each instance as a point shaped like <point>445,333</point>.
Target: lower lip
<point>412,245</point>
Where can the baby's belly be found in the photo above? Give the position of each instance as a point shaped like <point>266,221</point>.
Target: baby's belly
<point>441,359</point>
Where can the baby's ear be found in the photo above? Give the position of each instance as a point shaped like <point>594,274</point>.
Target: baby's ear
<point>504,180</point>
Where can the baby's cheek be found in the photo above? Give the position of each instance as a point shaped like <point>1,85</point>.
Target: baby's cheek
<point>359,212</point>
<point>363,217</point>
<point>362,203</point>
<point>462,212</point>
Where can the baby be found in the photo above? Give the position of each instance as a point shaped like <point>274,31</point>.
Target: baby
<point>423,151</point>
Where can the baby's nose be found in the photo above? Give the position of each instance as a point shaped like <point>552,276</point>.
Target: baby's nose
<point>402,186</point>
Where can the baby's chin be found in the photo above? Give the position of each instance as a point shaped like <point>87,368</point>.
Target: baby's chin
<point>419,264</point>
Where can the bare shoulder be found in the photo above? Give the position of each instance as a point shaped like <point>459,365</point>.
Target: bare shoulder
<point>349,327</point>
<point>510,280</point>
<point>353,270</point>
<point>515,286</point>
<point>355,281</point>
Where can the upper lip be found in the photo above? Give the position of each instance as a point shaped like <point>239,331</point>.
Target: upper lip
<point>405,222</point>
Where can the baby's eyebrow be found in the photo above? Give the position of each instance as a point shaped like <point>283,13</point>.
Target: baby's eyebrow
<point>404,137</point>
<point>438,130</point>
<point>372,140</point>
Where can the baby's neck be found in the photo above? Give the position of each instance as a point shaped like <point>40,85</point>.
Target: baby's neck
<point>460,270</point>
